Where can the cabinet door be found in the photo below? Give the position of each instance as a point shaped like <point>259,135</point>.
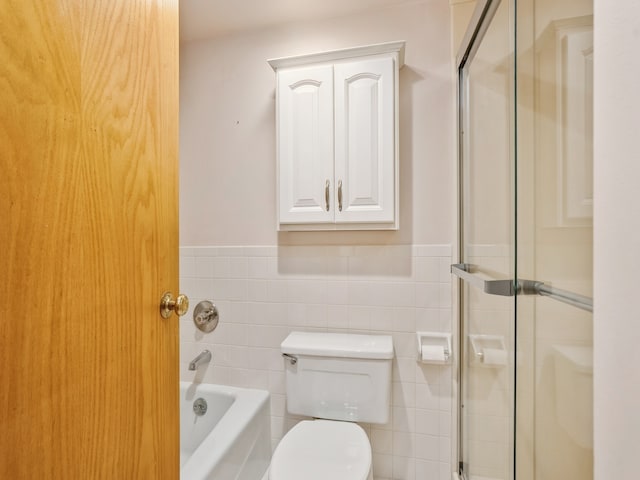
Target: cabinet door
<point>365,147</point>
<point>305,144</point>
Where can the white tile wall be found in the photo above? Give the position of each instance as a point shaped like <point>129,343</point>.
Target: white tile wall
<point>263,293</point>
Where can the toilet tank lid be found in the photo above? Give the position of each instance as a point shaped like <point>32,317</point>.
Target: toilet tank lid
<point>346,345</point>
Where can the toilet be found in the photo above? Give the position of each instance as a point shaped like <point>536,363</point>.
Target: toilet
<point>338,379</point>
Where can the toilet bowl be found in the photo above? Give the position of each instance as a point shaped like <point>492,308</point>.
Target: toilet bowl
<point>338,379</point>
<point>321,450</point>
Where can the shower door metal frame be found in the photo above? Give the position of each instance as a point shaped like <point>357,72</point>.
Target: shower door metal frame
<point>478,25</point>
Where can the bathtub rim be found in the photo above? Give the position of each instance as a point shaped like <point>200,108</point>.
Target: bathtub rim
<point>247,405</point>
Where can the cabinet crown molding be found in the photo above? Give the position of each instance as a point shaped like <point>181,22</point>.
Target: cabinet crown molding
<point>345,53</point>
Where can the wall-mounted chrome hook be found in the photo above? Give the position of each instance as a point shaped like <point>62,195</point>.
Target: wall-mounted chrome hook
<point>205,316</point>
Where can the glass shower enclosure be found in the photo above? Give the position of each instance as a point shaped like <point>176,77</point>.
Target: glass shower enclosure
<point>525,115</point>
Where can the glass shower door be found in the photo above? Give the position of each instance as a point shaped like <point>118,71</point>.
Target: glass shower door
<point>487,249</point>
<point>554,394</point>
<point>526,241</point>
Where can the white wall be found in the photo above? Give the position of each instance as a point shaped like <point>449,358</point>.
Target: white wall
<point>263,293</point>
<point>227,116</point>
<point>267,284</point>
<point>461,12</point>
<point>617,236</point>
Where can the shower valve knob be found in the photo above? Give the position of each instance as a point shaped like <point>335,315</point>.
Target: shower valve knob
<point>206,316</point>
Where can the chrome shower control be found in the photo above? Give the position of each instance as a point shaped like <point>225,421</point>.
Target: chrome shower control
<point>205,316</point>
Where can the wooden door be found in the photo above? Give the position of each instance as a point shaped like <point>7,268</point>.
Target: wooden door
<point>88,182</point>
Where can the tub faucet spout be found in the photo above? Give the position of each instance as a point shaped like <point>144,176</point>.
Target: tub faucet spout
<point>204,357</point>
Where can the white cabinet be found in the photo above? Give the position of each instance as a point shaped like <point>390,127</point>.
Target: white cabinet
<point>337,130</point>
<point>305,144</point>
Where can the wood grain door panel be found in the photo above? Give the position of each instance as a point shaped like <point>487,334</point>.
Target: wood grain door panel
<point>89,370</point>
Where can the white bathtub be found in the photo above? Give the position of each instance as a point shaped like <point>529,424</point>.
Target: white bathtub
<point>232,440</point>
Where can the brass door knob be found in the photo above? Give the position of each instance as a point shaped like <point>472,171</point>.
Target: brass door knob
<point>167,305</point>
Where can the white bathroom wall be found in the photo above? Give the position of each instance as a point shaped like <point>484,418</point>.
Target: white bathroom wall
<point>263,293</point>
<point>616,237</point>
<point>267,284</point>
<point>461,12</point>
<point>227,144</point>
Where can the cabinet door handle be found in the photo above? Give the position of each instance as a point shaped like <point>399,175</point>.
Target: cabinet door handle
<point>340,195</point>
<point>326,195</point>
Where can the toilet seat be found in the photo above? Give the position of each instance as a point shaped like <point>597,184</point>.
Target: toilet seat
<point>321,450</point>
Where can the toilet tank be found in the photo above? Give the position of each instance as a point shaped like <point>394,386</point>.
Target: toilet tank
<point>339,376</point>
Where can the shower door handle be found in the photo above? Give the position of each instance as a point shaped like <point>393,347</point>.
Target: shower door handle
<point>505,288</point>
<point>509,288</point>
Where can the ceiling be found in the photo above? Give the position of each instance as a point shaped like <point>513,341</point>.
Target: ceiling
<point>211,18</point>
